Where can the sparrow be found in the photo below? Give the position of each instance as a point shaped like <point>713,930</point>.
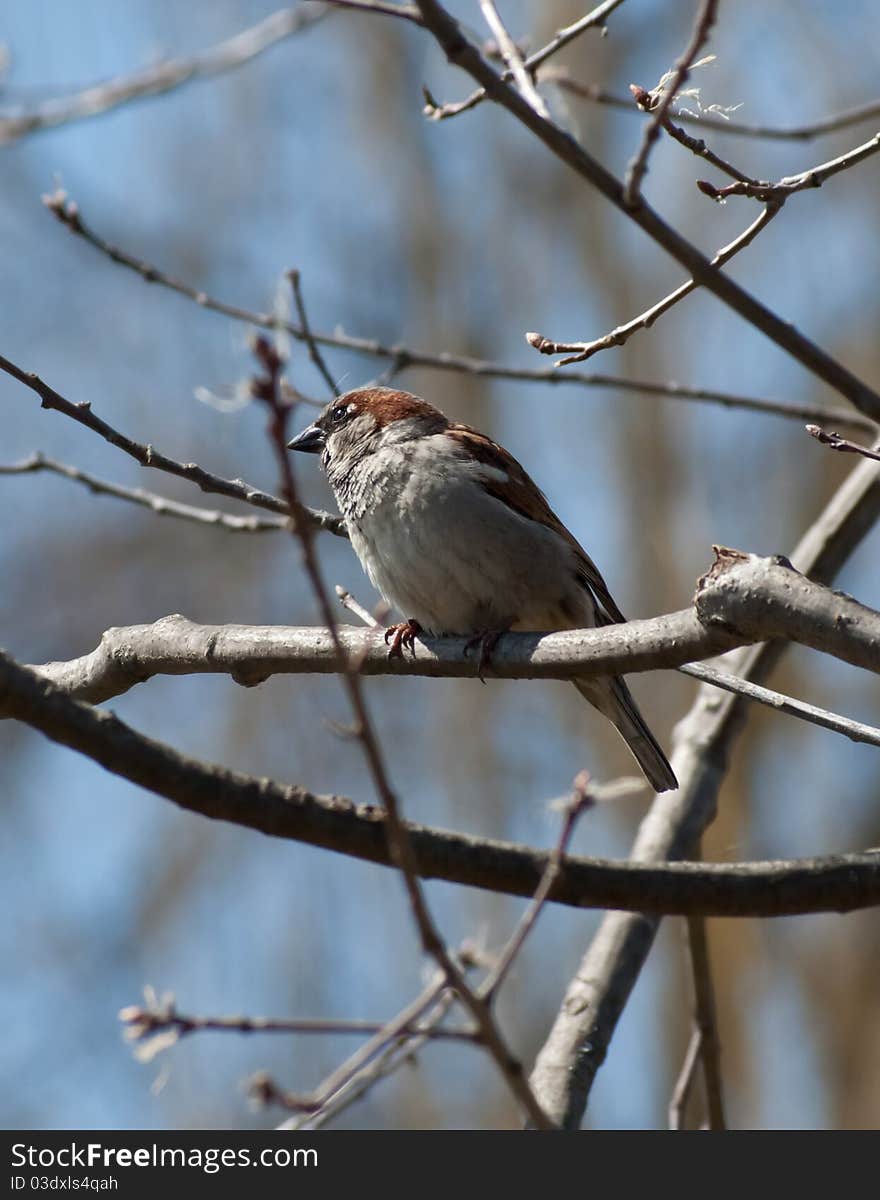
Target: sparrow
<point>456,536</point>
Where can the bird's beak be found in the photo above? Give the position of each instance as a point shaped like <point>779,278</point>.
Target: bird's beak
<point>311,440</point>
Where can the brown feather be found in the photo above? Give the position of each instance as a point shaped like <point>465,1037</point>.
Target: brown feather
<point>523,495</point>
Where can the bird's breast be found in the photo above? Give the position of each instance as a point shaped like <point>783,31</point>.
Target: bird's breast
<point>448,554</point>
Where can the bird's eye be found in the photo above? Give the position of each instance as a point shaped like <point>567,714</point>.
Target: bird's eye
<point>338,414</point>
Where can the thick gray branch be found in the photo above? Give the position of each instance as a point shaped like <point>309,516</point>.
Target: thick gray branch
<point>578,1041</point>
<point>759,598</point>
<point>253,653</point>
<point>743,599</point>
<point>839,883</point>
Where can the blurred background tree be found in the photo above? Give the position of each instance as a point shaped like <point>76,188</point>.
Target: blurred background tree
<point>458,236</point>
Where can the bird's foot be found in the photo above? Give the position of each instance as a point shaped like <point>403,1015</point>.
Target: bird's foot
<point>402,637</point>
<point>486,643</point>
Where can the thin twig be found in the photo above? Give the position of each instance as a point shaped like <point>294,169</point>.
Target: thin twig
<point>638,166</point>
<point>162,76</point>
<point>400,1037</point>
<point>682,1090</point>
<point>399,843</point>
<point>581,351</point>
<point>399,1053</point>
<point>314,351</point>
<point>587,91</point>
<point>836,442</point>
<point>148,456</point>
<point>160,505</point>
<point>813,177</point>
<point>592,20</point>
<point>512,58</point>
<point>401,357</point>
<point>264,1089</point>
<point>856,731</point>
<point>706,1020</point>
<point>578,802</point>
<point>353,606</point>
<point>159,1017</point>
<point>403,12</point>
<point>647,101</point>
<point>464,54</point>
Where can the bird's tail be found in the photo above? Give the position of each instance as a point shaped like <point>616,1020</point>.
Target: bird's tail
<point>614,700</point>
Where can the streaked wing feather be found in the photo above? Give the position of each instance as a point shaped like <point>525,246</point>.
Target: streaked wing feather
<point>524,496</point>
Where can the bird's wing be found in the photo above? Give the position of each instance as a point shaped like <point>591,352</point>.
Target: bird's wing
<point>511,484</point>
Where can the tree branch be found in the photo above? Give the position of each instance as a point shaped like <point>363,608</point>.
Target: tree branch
<point>464,54</point>
<point>578,1041</point>
<point>856,731</point>
<point>743,599</point>
<point>163,76</point>
<point>755,596</point>
<point>592,20</point>
<point>250,654</point>
<point>404,357</point>
<point>512,58</point>
<point>581,351</point>
<point>706,1020</point>
<point>147,456</point>
<point>836,442</point>
<point>638,166</point>
<point>795,133</point>
<point>838,883</point>
<point>813,177</point>
<point>160,505</point>
<point>400,847</point>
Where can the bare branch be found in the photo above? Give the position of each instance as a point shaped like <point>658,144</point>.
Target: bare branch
<point>314,351</point>
<point>351,604</point>
<point>578,802</point>
<point>737,584</point>
<point>163,76</point>
<point>856,731</point>
<point>404,12</point>
<point>836,442</point>
<point>250,654</point>
<point>813,177</point>
<point>839,883</point>
<point>581,351</point>
<point>398,1052</point>
<point>400,847</point>
<point>803,133</point>
<point>744,599</point>
<point>646,101</point>
<point>512,58</point>
<point>464,54</point>
<point>578,1042</point>
<point>160,505</point>
<point>398,1027</point>
<point>683,1085</point>
<point>706,1020</point>
<point>147,456</point>
<point>562,37</point>
<point>402,357</point>
<point>638,166</point>
<point>157,1024</point>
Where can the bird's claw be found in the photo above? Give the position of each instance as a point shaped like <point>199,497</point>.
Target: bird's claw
<point>402,637</point>
<point>486,642</point>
